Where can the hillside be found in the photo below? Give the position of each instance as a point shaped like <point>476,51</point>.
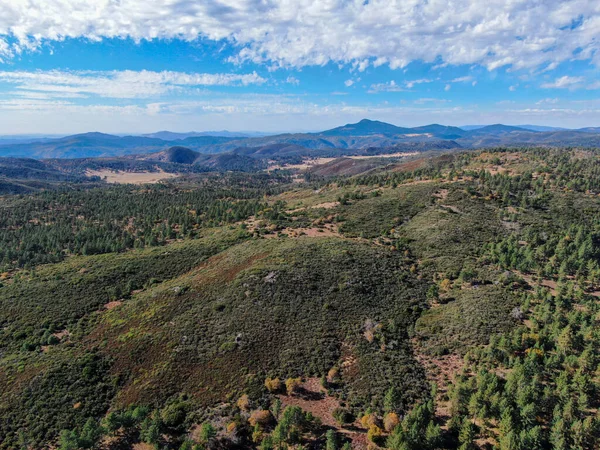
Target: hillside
<point>257,310</point>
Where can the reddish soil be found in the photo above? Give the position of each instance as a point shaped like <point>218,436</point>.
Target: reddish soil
<point>550,284</point>
<point>312,397</point>
<point>442,370</point>
<point>409,166</point>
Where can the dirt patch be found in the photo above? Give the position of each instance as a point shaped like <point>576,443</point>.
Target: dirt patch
<point>512,226</point>
<point>442,194</point>
<point>122,177</point>
<point>441,370</point>
<point>64,334</point>
<point>113,304</point>
<point>328,230</point>
<point>305,164</point>
<point>495,170</point>
<point>142,446</point>
<point>452,208</point>
<point>326,205</point>
<point>312,397</point>
<point>225,272</point>
<point>550,284</point>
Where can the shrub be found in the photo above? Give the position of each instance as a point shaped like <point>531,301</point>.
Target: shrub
<point>173,415</point>
<point>292,385</point>
<point>342,415</point>
<point>260,417</point>
<point>374,433</point>
<point>207,432</point>
<point>368,419</point>
<point>333,375</point>
<point>273,384</point>
<point>244,402</point>
<point>390,421</point>
<point>331,440</point>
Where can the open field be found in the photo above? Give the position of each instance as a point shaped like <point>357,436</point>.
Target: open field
<point>121,177</point>
<point>312,162</point>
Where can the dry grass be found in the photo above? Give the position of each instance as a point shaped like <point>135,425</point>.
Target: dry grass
<point>121,177</point>
<point>311,162</point>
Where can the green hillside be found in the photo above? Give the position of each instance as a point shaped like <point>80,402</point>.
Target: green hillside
<point>447,302</point>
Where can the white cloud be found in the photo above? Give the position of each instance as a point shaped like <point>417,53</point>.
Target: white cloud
<point>466,79</point>
<point>593,86</point>
<point>117,84</point>
<point>411,84</point>
<point>292,80</point>
<point>348,83</point>
<point>447,87</point>
<point>390,86</point>
<point>423,101</point>
<point>519,33</point>
<point>547,101</point>
<point>513,88</point>
<point>564,83</point>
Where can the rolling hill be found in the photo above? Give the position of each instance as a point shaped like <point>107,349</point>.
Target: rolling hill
<point>360,135</point>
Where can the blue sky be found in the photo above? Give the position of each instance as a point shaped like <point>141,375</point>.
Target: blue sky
<point>133,66</point>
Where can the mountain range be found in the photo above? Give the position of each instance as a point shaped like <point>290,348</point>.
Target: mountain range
<point>357,136</point>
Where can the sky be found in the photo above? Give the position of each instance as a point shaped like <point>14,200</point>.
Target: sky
<point>136,66</point>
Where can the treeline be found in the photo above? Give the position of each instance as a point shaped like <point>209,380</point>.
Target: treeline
<point>46,227</point>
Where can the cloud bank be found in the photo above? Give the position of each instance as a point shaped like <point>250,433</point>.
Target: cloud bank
<point>521,34</point>
<point>117,84</point>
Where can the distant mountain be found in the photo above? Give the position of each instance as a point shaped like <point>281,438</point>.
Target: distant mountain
<point>198,142</point>
<point>336,141</point>
<point>567,138</point>
<point>82,145</point>
<point>171,136</point>
<point>525,127</point>
<point>177,155</point>
<point>496,130</point>
<point>95,145</point>
<point>366,127</point>
<point>440,131</point>
<point>541,128</point>
<point>26,139</point>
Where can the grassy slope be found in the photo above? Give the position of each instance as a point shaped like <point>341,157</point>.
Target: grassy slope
<point>270,307</point>
<point>39,389</point>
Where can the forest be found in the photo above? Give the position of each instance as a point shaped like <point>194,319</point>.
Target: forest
<point>449,301</point>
